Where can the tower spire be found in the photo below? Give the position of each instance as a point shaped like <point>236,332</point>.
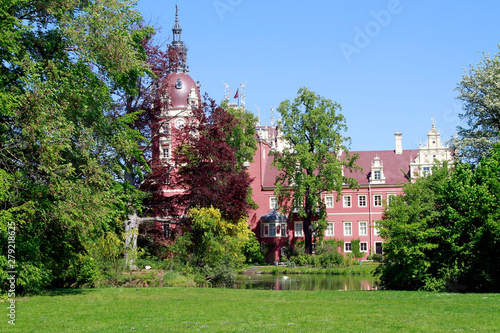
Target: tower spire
<point>180,66</point>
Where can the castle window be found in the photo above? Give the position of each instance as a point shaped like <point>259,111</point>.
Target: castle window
<point>329,232</point>
<point>273,203</point>
<point>299,229</point>
<point>363,228</point>
<point>347,228</point>
<point>329,201</point>
<point>165,151</point>
<point>347,247</point>
<point>362,200</point>
<point>347,201</point>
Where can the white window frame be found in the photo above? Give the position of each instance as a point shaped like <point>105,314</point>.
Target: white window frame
<point>347,201</point>
<point>377,175</point>
<point>165,148</point>
<point>273,203</point>
<point>361,246</point>
<point>278,228</point>
<point>363,231</point>
<point>283,230</point>
<point>375,204</point>
<point>346,246</point>
<point>347,224</point>
<point>329,201</point>
<point>330,229</point>
<point>376,231</point>
<point>390,197</point>
<point>296,231</point>
<point>359,200</point>
<point>272,229</point>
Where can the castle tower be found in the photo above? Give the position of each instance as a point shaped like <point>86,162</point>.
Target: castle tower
<point>182,95</point>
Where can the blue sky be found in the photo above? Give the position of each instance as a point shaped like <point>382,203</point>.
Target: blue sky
<point>392,65</point>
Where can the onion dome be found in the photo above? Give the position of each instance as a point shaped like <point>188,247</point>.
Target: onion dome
<point>182,91</point>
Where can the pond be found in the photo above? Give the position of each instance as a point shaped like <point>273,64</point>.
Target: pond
<point>305,282</point>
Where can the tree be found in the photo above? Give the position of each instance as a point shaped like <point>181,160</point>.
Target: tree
<point>443,233</point>
<point>61,143</point>
<point>312,164</point>
<point>480,92</point>
<point>209,168</point>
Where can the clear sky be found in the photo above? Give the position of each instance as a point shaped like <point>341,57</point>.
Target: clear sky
<point>392,65</point>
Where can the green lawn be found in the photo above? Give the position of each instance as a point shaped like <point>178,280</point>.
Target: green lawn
<point>215,310</point>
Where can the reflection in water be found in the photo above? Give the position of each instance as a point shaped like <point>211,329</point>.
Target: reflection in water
<point>305,282</point>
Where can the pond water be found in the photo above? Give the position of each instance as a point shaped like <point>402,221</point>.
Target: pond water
<point>305,282</point>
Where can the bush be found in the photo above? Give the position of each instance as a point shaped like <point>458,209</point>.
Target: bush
<point>331,259</point>
<point>32,279</point>
<point>301,260</point>
<point>251,250</point>
<point>222,275</point>
<point>377,257</point>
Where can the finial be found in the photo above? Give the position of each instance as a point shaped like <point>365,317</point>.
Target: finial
<point>242,98</point>
<point>433,122</point>
<point>272,116</point>
<point>258,115</point>
<point>226,91</point>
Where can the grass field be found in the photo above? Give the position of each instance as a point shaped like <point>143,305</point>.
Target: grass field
<point>216,310</point>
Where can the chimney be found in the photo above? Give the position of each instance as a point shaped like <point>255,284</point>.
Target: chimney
<point>399,145</point>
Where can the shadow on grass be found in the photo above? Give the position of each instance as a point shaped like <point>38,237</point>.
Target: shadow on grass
<point>66,291</point>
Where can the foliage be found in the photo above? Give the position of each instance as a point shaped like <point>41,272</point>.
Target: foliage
<point>251,250</point>
<point>208,170</point>
<point>211,240</point>
<point>480,93</point>
<point>356,251</point>
<point>242,136</point>
<point>61,144</point>
<point>443,234</point>
<point>326,256</point>
<point>311,165</point>
<point>221,275</point>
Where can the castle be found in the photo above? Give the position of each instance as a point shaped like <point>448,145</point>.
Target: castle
<point>351,216</point>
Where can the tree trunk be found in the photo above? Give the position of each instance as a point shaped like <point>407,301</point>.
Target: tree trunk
<point>307,226</point>
<point>131,233</point>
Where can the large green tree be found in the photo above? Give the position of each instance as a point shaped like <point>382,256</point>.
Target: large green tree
<point>313,161</point>
<point>443,233</point>
<point>62,145</point>
<point>479,90</point>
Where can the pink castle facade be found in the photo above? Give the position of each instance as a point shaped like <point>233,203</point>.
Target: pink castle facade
<point>354,213</point>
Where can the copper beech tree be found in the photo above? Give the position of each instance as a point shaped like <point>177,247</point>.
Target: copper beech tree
<point>210,173</point>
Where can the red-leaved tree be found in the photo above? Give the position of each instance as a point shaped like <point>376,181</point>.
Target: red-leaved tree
<point>208,170</point>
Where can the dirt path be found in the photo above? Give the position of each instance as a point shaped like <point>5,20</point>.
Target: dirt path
<point>252,270</point>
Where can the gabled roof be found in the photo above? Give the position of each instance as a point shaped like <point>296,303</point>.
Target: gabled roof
<point>396,167</point>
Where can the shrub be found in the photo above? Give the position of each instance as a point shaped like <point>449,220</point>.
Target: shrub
<point>222,275</point>
<point>251,250</point>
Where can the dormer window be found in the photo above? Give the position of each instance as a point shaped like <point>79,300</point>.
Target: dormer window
<point>377,171</point>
